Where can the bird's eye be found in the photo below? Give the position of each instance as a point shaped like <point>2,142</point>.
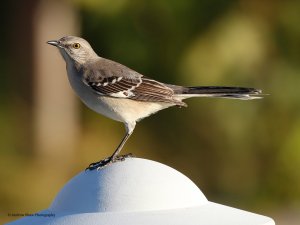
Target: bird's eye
<point>76,45</point>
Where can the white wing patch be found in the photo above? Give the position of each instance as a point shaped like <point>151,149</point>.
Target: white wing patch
<point>122,94</point>
<point>118,87</point>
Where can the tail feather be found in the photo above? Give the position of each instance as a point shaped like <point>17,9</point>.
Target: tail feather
<point>220,92</point>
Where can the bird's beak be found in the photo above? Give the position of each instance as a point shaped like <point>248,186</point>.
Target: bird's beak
<point>54,43</point>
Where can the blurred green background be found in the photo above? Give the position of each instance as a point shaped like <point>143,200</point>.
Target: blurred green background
<point>244,154</point>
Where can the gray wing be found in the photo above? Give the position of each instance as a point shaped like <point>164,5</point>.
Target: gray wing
<point>108,78</point>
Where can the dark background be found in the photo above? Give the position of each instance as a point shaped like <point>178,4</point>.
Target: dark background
<point>244,154</point>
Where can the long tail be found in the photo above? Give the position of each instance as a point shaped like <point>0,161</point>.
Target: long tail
<point>219,92</point>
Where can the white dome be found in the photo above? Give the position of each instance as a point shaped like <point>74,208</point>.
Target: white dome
<point>133,192</point>
<point>132,185</point>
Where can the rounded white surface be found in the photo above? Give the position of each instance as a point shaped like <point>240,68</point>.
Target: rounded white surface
<point>132,185</point>
<point>137,191</point>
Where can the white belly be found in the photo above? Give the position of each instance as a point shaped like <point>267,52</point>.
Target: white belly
<point>119,109</point>
<point>130,110</point>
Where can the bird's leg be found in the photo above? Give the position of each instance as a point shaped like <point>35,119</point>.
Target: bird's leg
<point>115,157</point>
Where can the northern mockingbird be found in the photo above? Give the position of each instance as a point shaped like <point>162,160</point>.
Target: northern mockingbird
<point>124,95</point>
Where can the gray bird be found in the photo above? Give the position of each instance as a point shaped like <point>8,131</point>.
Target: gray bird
<point>124,95</point>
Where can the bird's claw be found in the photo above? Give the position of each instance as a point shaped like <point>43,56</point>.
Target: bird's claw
<point>107,161</point>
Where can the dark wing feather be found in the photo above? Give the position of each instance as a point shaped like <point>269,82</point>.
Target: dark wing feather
<point>154,91</point>
<point>115,86</point>
<point>108,78</point>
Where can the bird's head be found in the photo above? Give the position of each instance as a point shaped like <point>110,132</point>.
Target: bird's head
<point>74,48</point>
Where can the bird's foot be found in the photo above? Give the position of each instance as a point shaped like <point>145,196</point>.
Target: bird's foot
<point>109,160</point>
